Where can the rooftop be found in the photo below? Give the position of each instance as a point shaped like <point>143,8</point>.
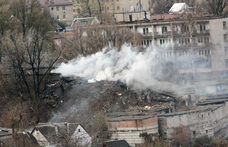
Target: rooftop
<point>129,118</point>
<point>55,3</point>
<point>117,143</point>
<point>178,7</point>
<point>193,110</point>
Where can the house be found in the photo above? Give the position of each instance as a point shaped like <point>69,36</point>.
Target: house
<point>61,134</point>
<point>87,21</point>
<point>178,8</point>
<point>116,143</point>
<point>7,138</point>
<point>61,10</point>
<point>129,128</point>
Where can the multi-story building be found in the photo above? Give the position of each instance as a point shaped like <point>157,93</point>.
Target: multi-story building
<point>195,47</point>
<point>61,10</point>
<point>127,10</point>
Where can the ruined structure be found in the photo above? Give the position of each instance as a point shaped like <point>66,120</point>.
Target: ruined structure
<point>129,128</point>
<point>208,120</point>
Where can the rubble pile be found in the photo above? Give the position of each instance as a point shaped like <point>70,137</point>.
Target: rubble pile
<point>76,100</point>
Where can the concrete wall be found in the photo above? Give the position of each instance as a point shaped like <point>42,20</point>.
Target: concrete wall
<point>210,121</point>
<point>131,129</point>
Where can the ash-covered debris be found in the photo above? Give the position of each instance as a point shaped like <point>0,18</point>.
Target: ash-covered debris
<point>55,94</point>
<point>82,99</point>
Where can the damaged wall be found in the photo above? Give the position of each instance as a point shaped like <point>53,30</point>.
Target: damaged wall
<point>211,120</point>
<point>130,127</point>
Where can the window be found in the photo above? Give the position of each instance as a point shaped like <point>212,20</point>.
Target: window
<point>131,8</point>
<point>226,49</point>
<point>64,16</point>
<point>117,8</point>
<point>202,27</point>
<point>57,8</point>
<point>226,62</point>
<point>107,8</point>
<point>117,0</point>
<point>164,30</point>
<point>52,9</point>
<point>225,37</point>
<point>73,10</point>
<point>79,130</point>
<point>194,132</point>
<point>63,7</point>
<point>57,17</point>
<point>113,8</point>
<point>224,25</point>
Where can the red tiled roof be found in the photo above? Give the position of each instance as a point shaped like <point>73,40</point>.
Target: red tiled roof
<point>164,16</point>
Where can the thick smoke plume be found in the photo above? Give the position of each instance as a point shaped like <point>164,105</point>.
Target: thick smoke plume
<point>136,69</point>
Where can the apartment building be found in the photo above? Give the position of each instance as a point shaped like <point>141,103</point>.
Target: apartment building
<point>61,10</point>
<point>196,48</point>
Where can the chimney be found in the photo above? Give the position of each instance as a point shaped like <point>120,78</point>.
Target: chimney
<point>52,1</point>
<point>46,1</point>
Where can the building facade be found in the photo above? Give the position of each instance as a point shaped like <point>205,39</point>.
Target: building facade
<point>196,47</point>
<point>129,128</point>
<point>61,10</point>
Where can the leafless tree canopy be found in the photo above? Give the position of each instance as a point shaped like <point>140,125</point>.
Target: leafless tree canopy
<point>89,40</point>
<point>217,7</point>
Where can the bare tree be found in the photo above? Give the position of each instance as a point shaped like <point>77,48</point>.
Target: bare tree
<point>31,56</point>
<point>217,7</point>
<point>91,39</point>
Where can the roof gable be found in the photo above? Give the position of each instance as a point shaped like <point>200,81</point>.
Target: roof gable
<point>178,7</point>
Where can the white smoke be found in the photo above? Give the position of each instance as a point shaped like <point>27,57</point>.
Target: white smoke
<point>128,65</point>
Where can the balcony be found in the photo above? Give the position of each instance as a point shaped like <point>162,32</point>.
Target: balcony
<point>203,32</point>
<point>163,35</point>
<point>147,35</point>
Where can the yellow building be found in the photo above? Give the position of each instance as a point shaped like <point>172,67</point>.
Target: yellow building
<point>61,10</point>
<point>120,6</point>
